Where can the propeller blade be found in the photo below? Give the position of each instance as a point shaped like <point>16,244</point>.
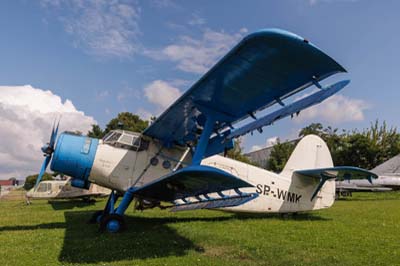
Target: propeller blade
<point>54,133</point>
<point>42,170</point>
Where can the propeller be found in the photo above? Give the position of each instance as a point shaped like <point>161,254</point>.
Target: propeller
<point>48,150</point>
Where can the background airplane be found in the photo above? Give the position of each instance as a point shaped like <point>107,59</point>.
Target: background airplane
<point>388,180</point>
<point>62,189</point>
<point>164,163</point>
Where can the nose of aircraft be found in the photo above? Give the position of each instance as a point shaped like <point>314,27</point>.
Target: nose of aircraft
<point>74,156</point>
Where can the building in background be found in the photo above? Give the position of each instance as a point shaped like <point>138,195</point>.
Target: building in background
<point>261,157</point>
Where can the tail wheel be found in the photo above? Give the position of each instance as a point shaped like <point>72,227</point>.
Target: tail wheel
<point>96,217</point>
<point>112,223</point>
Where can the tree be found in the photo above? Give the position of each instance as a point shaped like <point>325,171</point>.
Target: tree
<point>96,132</point>
<point>313,128</point>
<point>127,121</point>
<point>124,120</point>
<point>236,152</point>
<point>368,148</point>
<point>280,154</point>
<point>30,181</point>
<point>365,149</point>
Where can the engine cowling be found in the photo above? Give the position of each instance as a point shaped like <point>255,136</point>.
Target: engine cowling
<point>74,156</point>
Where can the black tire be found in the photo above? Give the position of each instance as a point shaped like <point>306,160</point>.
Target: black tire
<point>95,217</point>
<point>112,223</point>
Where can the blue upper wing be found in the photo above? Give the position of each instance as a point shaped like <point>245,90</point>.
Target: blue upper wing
<point>264,68</point>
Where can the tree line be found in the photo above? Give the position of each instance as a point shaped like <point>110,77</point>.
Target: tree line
<point>366,149</point>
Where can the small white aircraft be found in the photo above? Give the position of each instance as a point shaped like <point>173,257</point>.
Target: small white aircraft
<point>62,189</point>
<point>172,160</point>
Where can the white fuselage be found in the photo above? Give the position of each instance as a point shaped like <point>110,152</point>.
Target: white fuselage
<point>277,193</point>
<point>120,169</point>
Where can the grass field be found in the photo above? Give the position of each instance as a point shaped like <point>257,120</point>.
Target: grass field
<point>364,230</point>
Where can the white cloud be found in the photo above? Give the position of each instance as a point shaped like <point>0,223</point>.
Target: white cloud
<point>336,109</point>
<point>255,148</point>
<point>26,118</point>
<point>161,93</point>
<point>198,55</point>
<point>144,114</point>
<point>272,141</point>
<point>100,27</point>
<point>196,20</point>
<point>164,3</point>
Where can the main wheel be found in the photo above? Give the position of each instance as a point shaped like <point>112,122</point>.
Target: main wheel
<point>96,217</point>
<point>112,223</point>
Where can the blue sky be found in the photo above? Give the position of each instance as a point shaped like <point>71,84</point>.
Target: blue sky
<point>113,56</point>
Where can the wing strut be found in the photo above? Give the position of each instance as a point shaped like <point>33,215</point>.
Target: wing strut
<point>203,142</point>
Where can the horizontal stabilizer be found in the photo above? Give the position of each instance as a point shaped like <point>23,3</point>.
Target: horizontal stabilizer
<point>339,173</point>
<point>216,203</point>
<point>189,182</point>
<point>290,109</point>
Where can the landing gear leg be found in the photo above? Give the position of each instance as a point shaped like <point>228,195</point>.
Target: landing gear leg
<point>112,219</point>
<point>98,215</point>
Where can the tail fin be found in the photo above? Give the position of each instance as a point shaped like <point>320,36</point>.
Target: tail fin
<point>311,152</point>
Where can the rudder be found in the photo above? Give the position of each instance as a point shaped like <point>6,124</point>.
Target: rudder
<point>311,152</point>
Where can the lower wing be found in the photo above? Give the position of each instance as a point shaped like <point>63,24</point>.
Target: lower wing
<point>196,187</point>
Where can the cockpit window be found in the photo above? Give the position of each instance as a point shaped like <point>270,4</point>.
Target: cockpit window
<point>108,135</point>
<point>126,140</point>
<point>113,137</point>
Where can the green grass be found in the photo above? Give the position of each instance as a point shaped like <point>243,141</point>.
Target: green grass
<point>364,230</point>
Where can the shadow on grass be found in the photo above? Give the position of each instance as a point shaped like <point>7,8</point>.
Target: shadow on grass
<point>305,216</point>
<point>33,227</point>
<point>70,204</point>
<point>146,237</point>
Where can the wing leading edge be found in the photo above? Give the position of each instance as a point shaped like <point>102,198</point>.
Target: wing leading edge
<point>264,68</point>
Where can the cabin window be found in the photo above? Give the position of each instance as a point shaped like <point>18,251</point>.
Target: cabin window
<point>126,139</point>
<point>42,187</point>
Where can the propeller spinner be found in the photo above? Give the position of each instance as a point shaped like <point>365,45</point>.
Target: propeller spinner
<point>48,150</point>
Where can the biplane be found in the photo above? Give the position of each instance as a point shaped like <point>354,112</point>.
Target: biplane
<point>177,158</point>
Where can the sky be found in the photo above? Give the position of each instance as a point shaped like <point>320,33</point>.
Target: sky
<point>88,60</point>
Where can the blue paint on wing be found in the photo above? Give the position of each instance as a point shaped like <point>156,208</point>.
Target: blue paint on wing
<point>264,68</point>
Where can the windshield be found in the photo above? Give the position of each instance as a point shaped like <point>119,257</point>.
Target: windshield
<point>126,139</point>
